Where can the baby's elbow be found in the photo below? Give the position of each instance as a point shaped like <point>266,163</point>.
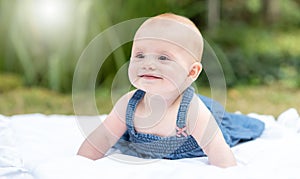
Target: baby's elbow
<point>92,155</point>
<point>88,151</point>
<point>221,158</point>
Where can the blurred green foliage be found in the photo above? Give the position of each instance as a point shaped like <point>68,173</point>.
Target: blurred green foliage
<point>9,82</point>
<point>45,51</point>
<point>258,56</point>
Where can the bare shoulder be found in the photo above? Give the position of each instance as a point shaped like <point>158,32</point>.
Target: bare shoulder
<point>204,128</point>
<point>201,123</point>
<point>121,105</point>
<point>197,112</point>
<point>115,120</point>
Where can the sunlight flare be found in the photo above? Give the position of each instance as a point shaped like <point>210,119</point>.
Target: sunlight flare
<point>52,14</point>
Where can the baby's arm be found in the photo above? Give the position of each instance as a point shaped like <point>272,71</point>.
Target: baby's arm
<point>208,135</point>
<point>108,133</point>
<point>103,137</point>
<point>218,152</point>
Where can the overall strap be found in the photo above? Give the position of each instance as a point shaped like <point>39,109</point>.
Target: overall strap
<point>182,111</point>
<point>132,104</point>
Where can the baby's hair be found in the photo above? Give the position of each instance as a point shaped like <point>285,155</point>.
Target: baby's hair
<point>179,18</point>
<point>182,20</point>
<point>185,29</point>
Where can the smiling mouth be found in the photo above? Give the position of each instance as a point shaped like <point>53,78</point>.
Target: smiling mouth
<point>150,77</point>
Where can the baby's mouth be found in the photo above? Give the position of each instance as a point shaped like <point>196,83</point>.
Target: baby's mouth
<point>148,76</point>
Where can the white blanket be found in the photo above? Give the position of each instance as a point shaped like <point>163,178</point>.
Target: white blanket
<point>40,146</point>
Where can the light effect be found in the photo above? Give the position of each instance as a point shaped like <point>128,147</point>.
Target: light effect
<point>51,22</point>
<point>45,17</point>
<point>53,14</point>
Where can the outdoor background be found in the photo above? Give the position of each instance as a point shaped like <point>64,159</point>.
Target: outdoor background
<point>256,41</point>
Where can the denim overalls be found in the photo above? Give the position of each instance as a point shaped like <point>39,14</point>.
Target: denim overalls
<point>235,128</point>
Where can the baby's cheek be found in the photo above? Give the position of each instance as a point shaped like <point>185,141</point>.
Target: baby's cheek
<point>132,73</point>
<point>176,74</point>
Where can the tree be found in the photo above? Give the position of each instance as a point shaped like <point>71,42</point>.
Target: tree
<point>213,8</point>
<point>271,10</point>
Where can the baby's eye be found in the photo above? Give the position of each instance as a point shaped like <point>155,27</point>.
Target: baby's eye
<point>140,56</point>
<point>163,58</point>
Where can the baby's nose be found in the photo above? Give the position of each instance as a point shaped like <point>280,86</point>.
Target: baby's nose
<point>150,63</point>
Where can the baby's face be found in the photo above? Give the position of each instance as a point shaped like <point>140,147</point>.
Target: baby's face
<point>159,66</point>
<point>163,52</point>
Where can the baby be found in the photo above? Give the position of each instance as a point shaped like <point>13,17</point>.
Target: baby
<point>163,118</point>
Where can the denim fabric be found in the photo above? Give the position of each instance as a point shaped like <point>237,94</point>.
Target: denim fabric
<point>235,128</point>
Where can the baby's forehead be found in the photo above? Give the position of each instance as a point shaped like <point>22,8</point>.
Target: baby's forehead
<point>156,45</point>
<point>174,31</point>
<point>166,27</point>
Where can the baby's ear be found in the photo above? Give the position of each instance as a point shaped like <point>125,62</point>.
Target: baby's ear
<point>195,70</point>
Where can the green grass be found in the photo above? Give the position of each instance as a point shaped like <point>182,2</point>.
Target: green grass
<point>272,99</point>
<point>9,82</point>
<point>41,100</point>
<point>34,100</point>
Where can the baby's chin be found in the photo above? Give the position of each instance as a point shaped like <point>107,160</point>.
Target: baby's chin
<point>154,89</point>
<point>160,91</point>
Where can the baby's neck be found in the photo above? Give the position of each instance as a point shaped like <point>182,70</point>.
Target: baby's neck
<point>156,114</point>
<point>165,100</point>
